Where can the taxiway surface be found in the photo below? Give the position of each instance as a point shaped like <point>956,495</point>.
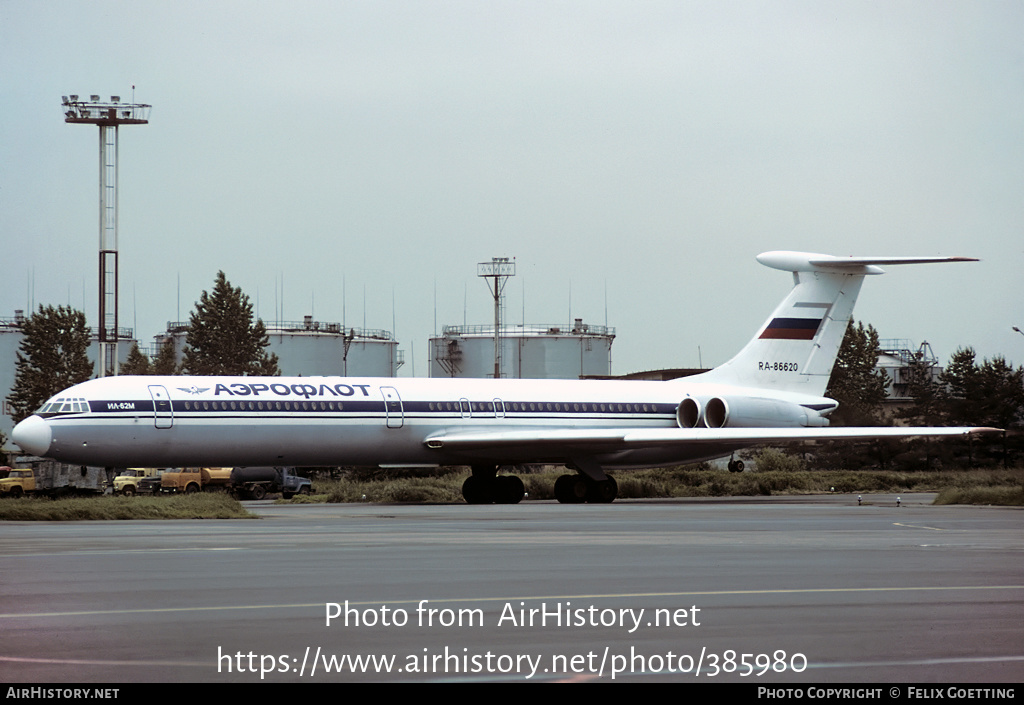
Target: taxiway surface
<point>787,589</point>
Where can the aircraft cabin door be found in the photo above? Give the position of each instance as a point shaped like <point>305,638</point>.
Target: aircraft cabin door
<point>392,407</point>
<point>163,415</point>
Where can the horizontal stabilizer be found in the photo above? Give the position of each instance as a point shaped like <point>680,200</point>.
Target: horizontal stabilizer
<point>810,262</point>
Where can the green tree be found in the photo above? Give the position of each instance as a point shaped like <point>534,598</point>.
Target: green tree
<point>855,383</point>
<point>165,362</point>
<point>924,390</point>
<point>1002,389</point>
<point>222,337</point>
<point>959,382</point>
<point>53,356</point>
<point>989,394</point>
<point>137,363</point>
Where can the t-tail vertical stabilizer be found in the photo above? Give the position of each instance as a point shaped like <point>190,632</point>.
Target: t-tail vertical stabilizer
<point>795,349</point>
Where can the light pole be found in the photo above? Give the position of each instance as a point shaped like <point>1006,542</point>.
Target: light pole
<point>499,269</point>
<point>108,115</point>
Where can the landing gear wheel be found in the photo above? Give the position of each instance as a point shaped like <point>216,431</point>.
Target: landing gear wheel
<point>603,492</point>
<point>485,486</point>
<point>509,489</point>
<point>736,466</point>
<point>477,490</point>
<point>571,489</point>
<point>561,489</point>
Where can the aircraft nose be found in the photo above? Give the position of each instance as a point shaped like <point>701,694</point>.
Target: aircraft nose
<point>33,435</point>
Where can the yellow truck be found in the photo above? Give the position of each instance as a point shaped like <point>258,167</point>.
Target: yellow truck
<point>18,483</point>
<point>190,480</point>
<point>127,483</point>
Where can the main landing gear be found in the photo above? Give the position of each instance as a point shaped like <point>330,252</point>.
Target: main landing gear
<point>485,486</point>
<point>589,484</point>
<point>574,489</point>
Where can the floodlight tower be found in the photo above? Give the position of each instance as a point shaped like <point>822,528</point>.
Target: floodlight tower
<point>499,269</point>
<point>109,116</point>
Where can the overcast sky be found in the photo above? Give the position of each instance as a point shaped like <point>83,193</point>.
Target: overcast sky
<point>634,158</point>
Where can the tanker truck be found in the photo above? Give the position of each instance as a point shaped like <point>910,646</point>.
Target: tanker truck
<point>189,480</point>
<point>258,482</point>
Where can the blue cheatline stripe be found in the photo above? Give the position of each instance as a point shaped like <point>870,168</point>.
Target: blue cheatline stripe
<point>441,408</point>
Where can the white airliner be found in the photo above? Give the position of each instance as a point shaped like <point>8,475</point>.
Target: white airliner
<point>772,391</point>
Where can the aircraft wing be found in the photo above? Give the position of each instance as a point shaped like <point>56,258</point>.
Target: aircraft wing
<point>607,440</point>
<point>671,436</point>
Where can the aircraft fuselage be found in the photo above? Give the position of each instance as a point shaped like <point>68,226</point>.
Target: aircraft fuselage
<point>181,421</point>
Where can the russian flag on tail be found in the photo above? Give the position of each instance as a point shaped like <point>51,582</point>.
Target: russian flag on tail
<point>791,329</point>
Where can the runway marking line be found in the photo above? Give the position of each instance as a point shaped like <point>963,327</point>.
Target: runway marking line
<point>96,662</point>
<point>606,596</point>
<point>815,666</point>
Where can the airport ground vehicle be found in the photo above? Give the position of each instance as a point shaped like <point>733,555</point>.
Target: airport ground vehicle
<point>150,485</point>
<point>47,478</point>
<point>258,482</point>
<point>189,480</point>
<point>127,483</point>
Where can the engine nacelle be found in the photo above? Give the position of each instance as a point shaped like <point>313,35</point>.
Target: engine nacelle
<point>749,412</point>
<point>688,413</point>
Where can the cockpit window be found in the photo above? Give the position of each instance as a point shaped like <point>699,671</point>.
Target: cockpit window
<point>64,405</point>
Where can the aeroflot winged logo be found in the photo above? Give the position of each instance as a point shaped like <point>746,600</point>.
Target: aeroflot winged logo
<point>193,389</point>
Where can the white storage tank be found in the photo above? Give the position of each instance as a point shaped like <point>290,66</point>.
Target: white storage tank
<point>537,351</point>
<point>314,348</point>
